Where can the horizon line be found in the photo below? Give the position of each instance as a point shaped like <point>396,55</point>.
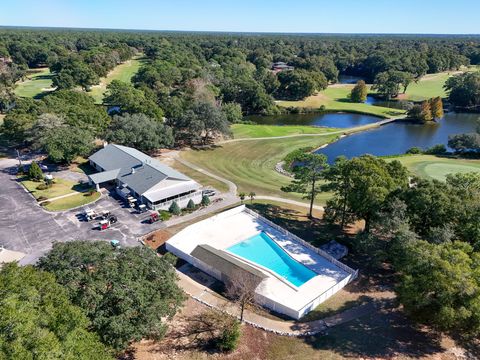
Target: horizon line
<point>41,27</point>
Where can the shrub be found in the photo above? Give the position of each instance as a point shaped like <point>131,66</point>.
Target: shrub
<point>175,209</point>
<point>21,170</point>
<point>164,215</point>
<point>228,339</point>
<point>170,258</point>
<point>438,149</point>
<point>191,205</point>
<point>205,200</point>
<point>42,198</point>
<point>414,150</point>
<point>43,186</point>
<point>45,203</point>
<point>34,172</point>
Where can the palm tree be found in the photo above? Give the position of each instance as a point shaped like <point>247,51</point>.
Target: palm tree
<point>242,196</point>
<point>252,196</point>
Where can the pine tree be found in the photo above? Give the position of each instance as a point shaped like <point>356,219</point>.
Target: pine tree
<point>175,209</point>
<point>34,172</point>
<point>191,205</point>
<point>426,112</point>
<point>436,105</point>
<point>205,200</point>
<point>359,92</point>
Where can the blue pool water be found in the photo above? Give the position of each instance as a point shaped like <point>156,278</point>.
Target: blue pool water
<point>261,249</point>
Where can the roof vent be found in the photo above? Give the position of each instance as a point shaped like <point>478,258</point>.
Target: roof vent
<point>133,170</point>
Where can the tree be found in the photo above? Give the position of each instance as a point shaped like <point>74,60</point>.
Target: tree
<point>464,142</point>
<point>174,208</point>
<point>242,196</point>
<point>361,185</point>
<point>42,128</point>
<point>191,205</point>
<point>307,175</point>
<point>38,320</point>
<point>388,83</point>
<point>34,172</point>
<point>223,328</point>
<point>426,112</point>
<point>252,195</point>
<point>205,200</point>
<point>359,92</point>
<point>233,112</point>
<point>240,287</point>
<point>201,123</point>
<point>140,132</point>
<point>439,285</point>
<point>436,106</point>
<point>464,90</point>
<point>126,293</point>
<point>132,100</point>
<point>298,84</point>
<point>422,113</point>
<point>66,143</point>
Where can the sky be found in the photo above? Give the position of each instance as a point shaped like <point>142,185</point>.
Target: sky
<point>305,16</point>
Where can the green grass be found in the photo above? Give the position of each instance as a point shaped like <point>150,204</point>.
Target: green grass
<point>59,188</point>
<point>201,178</point>
<point>251,164</point>
<point>123,72</point>
<point>429,86</point>
<point>71,202</point>
<point>35,84</point>
<point>241,131</point>
<point>433,167</point>
<point>336,98</point>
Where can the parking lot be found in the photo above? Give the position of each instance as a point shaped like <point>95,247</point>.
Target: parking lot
<point>26,227</point>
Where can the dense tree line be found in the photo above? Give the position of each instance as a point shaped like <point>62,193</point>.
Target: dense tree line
<point>196,84</point>
<point>428,230</point>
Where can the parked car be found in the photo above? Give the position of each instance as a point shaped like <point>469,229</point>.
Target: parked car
<point>209,192</point>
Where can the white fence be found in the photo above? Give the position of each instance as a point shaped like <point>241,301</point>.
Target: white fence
<point>304,243</point>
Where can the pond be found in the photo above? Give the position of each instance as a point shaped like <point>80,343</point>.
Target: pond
<point>338,120</point>
<point>398,137</point>
<point>348,79</point>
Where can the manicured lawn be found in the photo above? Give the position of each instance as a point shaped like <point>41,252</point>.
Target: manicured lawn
<point>36,84</point>
<point>335,98</point>
<point>71,202</point>
<point>123,72</point>
<point>59,188</point>
<point>433,167</point>
<point>241,131</point>
<point>201,178</point>
<point>429,86</point>
<point>251,164</point>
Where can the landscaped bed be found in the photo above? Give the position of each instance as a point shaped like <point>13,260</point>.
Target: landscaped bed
<point>58,188</point>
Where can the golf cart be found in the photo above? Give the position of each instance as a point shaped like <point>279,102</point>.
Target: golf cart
<point>153,218</point>
<point>115,244</point>
<point>89,214</point>
<point>142,208</point>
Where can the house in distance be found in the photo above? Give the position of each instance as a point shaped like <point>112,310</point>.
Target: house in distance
<point>142,177</point>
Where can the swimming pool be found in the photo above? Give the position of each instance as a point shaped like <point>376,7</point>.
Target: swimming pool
<point>261,249</point>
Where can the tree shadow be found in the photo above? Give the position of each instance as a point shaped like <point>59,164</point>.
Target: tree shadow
<point>315,231</point>
<point>382,334</point>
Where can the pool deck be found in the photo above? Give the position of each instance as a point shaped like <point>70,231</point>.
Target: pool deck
<point>238,224</point>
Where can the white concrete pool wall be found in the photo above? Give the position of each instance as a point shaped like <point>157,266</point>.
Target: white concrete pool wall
<point>238,224</point>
